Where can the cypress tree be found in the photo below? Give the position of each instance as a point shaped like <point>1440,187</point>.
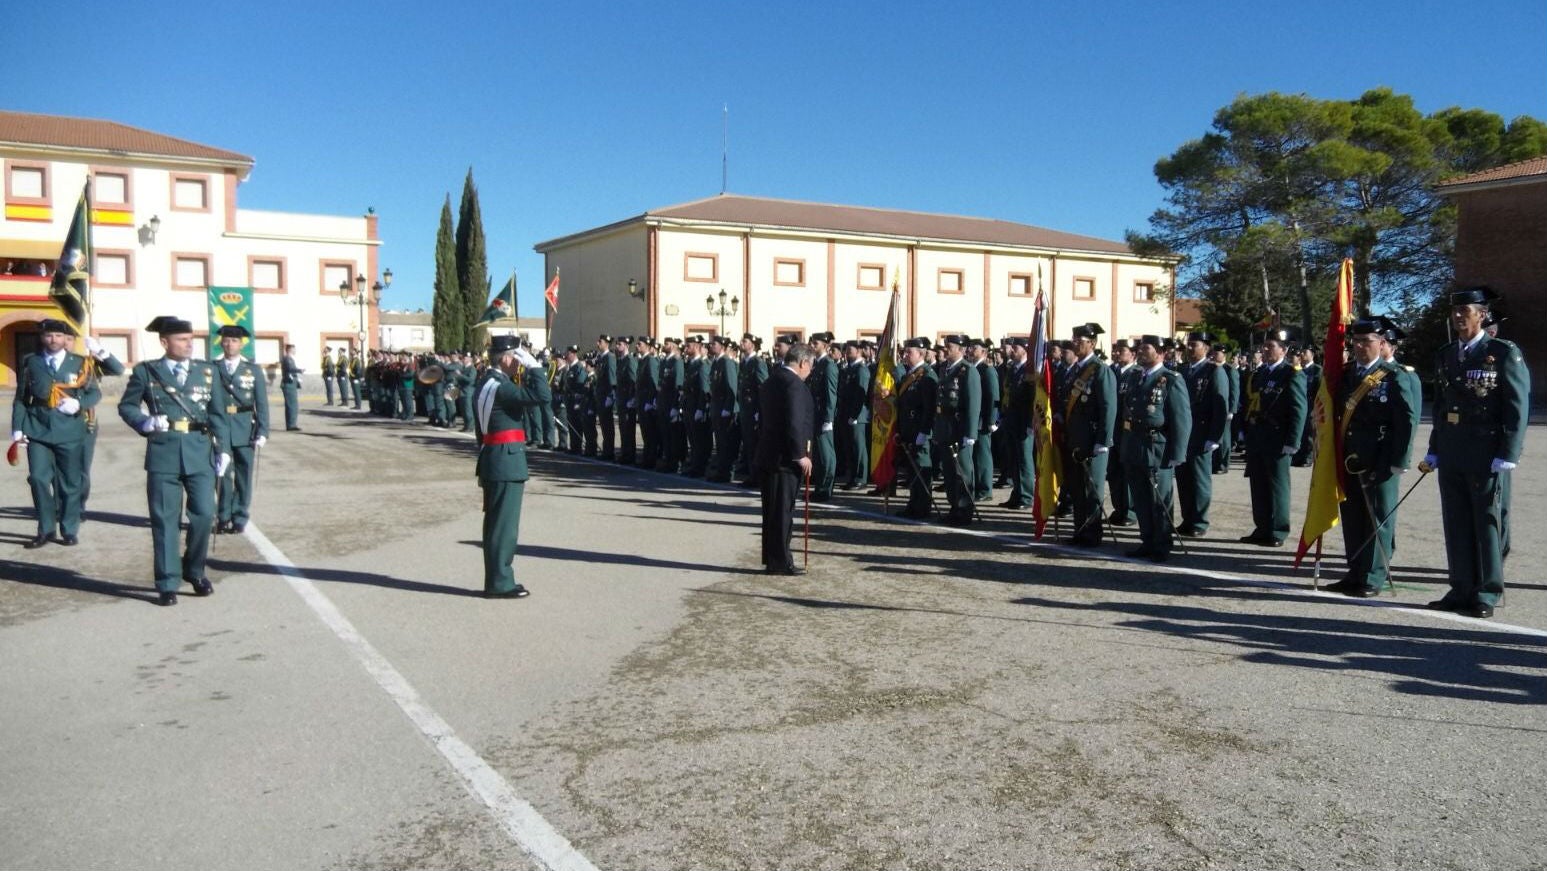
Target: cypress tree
<point>472,259</point>
<point>446,315</point>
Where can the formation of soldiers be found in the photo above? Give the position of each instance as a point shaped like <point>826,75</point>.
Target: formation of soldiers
<point>1145,428</point>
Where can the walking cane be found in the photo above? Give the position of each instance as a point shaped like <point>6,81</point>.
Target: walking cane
<point>806,534</point>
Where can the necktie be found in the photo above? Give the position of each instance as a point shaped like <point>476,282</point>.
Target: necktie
<point>182,373</point>
<point>53,364</point>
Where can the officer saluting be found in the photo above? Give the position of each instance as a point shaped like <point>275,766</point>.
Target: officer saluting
<point>248,416</point>
<point>1479,430</point>
<point>55,392</point>
<point>503,396</point>
<point>179,405</point>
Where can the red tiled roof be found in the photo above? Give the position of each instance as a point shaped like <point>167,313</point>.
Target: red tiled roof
<point>767,212</point>
<point>1188,311</point>
<point>1518,169</point>
<point>24,128</point>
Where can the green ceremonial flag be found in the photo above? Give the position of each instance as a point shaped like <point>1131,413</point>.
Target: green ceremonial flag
<point>230,306</point>
<point>504,303</point>
<point>70,288</point>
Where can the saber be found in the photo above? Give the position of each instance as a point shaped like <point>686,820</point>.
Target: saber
<point>806,533</point>
<point>919,475</point>
<point>966,485</point>
<point>1364,490</point>
<point>1423,473</point>
<point>1176,540</point>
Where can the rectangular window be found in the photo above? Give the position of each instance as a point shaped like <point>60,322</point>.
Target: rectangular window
<point>190,271</point>
<point>26,182</point>
<point>200,347</point>
<point>950,281</point>
<point>113,269</point>
<point>267,349</point>
<point>416,335</point>
<point>1143,291</point>
<point>110,189</point>
<point>798,332</point>
<point>1020,284</point>
<point>190,193</point>
<point>336,274</point>
<point>789,272</point>
<point>872,276</point>
<point>1084,288</point>
<point>700,267</point>
<point>266,274</point>
<point>699,330</point>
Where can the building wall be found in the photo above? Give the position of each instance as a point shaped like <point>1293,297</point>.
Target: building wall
<point>593,287</point>
<point>229,242</point>
<point>1501,241</point>
<point>684,283</point>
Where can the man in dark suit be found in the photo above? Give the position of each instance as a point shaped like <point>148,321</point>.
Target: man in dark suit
<point>787,416</point>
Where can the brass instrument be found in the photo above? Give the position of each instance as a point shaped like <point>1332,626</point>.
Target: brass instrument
<point>434,373</point>
<point>453,393</point>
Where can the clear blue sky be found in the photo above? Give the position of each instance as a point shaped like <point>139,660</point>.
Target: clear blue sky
<point>574,115</point>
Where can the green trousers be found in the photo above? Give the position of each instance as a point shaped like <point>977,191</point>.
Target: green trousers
<point>1151,491</point>
<point>1269,478</point>
<point>1369,567</point>
<point>292,405</point>
<point>859,475</point>
<point>56,474</point>
<point>236,486</point>
<point>1085,481</point>
<point>824,465</point>
<point>1471,509</point>
<point>983,466</point>
<point>1021,466</point>
<point>501,527</point>
<point>1195,490</point>
<point>957,472</point>
<point>164,493</point>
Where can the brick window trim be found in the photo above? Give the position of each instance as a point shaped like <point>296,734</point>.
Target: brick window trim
<point>1031,289</point>
<point>1074,287</point>
<point>209,269</point>
<point>961,281</point>
<point>797,262</point>
<point>324,287</point>
<point>128,337</point>
<point>714,263</point>
<point>125,253</point>
<point>97,202</point>
<point>1148,291</point>
<point>859,276</point>
<point>174,178</point>
<point>284,273</point>
<point>11,166</point>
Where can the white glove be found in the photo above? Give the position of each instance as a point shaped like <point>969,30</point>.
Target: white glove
<point>699,414</point>
<point>1431,461</point>
<point>1210,447</point>
<point>922,440</point>
<point>1397,470</point>
<point>222,463</point>
<point>967,443</point>
<point>1098,450</point>
<point>1500,466</point>
<point>1172,465</point>
<point>827,427</point>
<point>629,404</point>
<point>526,359</point>
<point>95,349</point>
<point>18,436</point>
<point>69,405</point>
<point>1291,451</point>
<point>260,441</point>
<point>155,423</point>
<point>727,414</point>
<point>756,417</point>
<point>649,406</point>
<point>993,428</point>
<point>607,402</point>
<point>675,415</point>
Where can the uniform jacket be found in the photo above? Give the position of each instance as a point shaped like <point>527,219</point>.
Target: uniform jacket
<point>1279,417</point>
<point>1019,395</point>
<point>604,381</point>
<point>289,372</point>
<point>695,389</point>
<point>823,383</point>
<point>628,373</point>
<point>854,393</point>
<point>31,412</point>
<point>723,374</point>
<point>749,381</point>
<point>152,390</point>
<point>669,387</point>
<point>327,366</point>
<point>988,392</point>
<point>1157,419</point>
<point>577,387</point>
<point>1124,384</point>
<point>1209,387</point>
<point>1088,404</point>
<point>785,412</point>
<point>958,404</point>
<point>916,410</point>
<point>1480,405</point>
<point>247,410</point>
<point>1379,429</point>
<point>647,382</point>
<point>500,409</point>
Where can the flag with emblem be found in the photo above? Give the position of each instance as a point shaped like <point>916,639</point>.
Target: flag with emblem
<point>883,402</point>
<point>551,294</point>
<point>70,288</point>
<point>503,305</point>
<point>1321,506</point>
<point>1049,466</point>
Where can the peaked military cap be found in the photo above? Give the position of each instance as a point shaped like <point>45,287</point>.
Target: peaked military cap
<point>1017,342</point>
<point>1200,336</point>
<point>572,349</point>
<point>1479,295</point>
<point>627,340</point>
<point>694,340</point>
<point>787,338</point>
<point>955,339</point>
<point>917,342</point>
<point>1121,343</point>
<point>1152,340</point>
<point>748,337</point>
<point>1280,336</point>
<point>822,337</point>
<point>668,340</point>
<point>604,338</point>
<point>1395,333</point>
<point>54,325</point>
<point>1087,331</point>
<point>501,344</point>
<point>1366,326</point>
<point>166,325</point>
<point>237,331</point>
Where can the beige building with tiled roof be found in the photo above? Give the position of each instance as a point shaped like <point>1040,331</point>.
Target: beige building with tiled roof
<point>166,226</point>
<point>1501,241</point>
<point>800,267</point>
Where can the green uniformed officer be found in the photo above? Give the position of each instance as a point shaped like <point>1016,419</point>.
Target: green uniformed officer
<point>341,375</point>
<point>1221,358</point>
<point>624,402</point>
<point>854,415</point>
<point>56,392</point>
<point>179,405</point>
<point>1157,424</point>
<point>958,410</point>
<point>1377,419</point>
<point>1275,419</point>
<point>823,384</point>
<point>1019,392</point>
<point>988,421</point>
<point>668,408</point>
<point>916,402</point>
<point>695,409</point>
<point>604,383</point>
<point>327,377</point>
<point>749,382</point>
<point>1209,389</point>
<point>1117,478</point>
<point>290,389</point>
<point>247,416</point>
<point>1087,403</point>
<point>1480,416</point>
<point>577,392</point>
<point>724,373</point>
<point>503,395</point>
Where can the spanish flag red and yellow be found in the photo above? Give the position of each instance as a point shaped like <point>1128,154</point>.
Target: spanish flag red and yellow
<point>1321,507</point>
<point>883,403</point>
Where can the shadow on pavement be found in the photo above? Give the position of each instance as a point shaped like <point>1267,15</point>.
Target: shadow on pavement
<point>343,577</point>
<point>67,579</point>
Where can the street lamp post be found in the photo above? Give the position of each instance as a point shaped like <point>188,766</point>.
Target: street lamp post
<point>721,311</point>
<point>362,300</point>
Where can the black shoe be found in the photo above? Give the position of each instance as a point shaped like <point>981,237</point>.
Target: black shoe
<point>847,485</point>
<point>69,540</point>
<point>237,528</point>
<point>201,586</point>
<point>166,599</point>
<point>1361,592</point>
<point>1191,532</point>
<point>35,543</point>
<point>784,570</point>
<point>1141,552</point>
<point>1014,505</point>
<point>1249,539</point>
<point>1481,611</point>
<point>1158,556</point>
<point>1445,605</point>
<point>1344,586</point>
<point>1080,541</point>
<point>292,429</point>
<point>821,497</point>
<point>914,515</point>
<point>516,592</point>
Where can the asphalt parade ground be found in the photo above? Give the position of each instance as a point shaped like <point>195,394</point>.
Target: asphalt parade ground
<point>924,698</point>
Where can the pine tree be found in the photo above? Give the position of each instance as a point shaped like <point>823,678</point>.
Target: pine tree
<point>447,314</point>
<point>472,259</point>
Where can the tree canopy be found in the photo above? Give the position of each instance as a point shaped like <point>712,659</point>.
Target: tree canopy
<point>472,258</point>
<point>1287,182</point>
<point>447,314</point>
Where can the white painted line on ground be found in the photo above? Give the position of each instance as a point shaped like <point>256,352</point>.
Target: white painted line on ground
<point>519,819</point>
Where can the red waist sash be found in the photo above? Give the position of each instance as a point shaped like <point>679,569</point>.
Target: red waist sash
<point>504,437</point>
